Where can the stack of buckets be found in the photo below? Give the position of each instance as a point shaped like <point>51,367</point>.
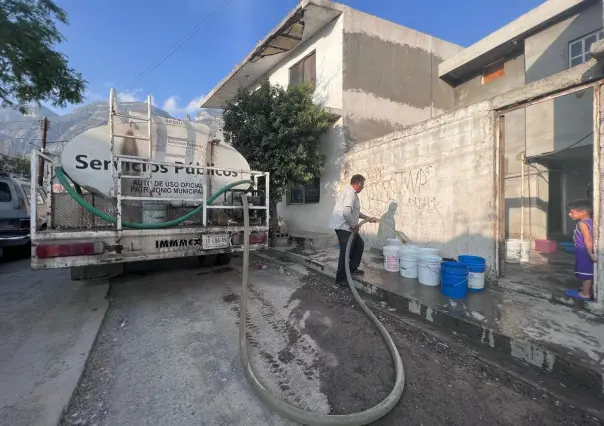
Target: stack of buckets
<point>467,274</point>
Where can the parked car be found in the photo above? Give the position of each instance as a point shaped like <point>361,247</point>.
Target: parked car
<point>15,211</point>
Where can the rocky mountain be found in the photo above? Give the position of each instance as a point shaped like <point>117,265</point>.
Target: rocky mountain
<point>19,134</point>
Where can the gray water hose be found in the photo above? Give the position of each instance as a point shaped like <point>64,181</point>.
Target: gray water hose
<point>287,410</point>
<point>282,407</point>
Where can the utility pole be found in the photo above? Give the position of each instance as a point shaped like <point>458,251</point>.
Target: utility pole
<point>43,149</point>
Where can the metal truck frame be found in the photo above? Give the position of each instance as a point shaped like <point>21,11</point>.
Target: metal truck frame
<point>53,247</point>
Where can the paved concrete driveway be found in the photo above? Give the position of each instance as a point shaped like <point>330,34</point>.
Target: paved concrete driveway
<point>167,354</point>
<point>47,328</point>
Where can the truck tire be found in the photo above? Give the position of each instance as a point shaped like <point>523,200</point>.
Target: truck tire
<point>224,259</point>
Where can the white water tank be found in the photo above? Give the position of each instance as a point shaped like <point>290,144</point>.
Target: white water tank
<point>86,159</point>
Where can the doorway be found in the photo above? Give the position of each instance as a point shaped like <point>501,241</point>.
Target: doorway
<point>546,151</point>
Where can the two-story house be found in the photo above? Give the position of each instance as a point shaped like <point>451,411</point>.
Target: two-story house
<point>555,137</point>
<point>373,75</point>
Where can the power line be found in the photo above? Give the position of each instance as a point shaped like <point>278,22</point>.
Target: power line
<point>33,120</point>
<point>176,46</point>
<point>29,139</point>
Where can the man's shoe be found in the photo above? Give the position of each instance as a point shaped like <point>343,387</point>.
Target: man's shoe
<point>342,283</point>
<point>357,272</point>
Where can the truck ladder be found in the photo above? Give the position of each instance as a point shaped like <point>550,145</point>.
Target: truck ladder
<point>118,159</point>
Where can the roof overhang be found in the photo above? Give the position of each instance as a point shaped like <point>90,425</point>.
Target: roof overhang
<point>309,17</point>
<point>508,39</point>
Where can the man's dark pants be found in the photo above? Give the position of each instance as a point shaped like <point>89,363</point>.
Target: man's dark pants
<point>356,253</point>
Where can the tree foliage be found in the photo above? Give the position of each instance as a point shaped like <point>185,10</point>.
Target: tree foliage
<point>30,69</point>
<point>19,165</point>
<point>278,130</point>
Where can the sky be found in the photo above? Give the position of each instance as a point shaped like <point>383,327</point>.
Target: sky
<point>113,42</point>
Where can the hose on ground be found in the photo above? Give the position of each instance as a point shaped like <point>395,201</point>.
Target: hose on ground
<point>64,180</point>
<point>306,417</point>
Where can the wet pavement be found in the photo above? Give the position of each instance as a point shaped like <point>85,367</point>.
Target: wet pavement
<point>167,353</point>
<point>558,329</point>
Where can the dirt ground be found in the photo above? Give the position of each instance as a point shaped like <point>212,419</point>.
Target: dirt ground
<point>167,353</point>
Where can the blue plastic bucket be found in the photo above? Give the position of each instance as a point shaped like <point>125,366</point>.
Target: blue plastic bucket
<point>477,267</point>
<point>454,279</point>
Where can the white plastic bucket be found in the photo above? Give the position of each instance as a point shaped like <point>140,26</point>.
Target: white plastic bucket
<point>512,251</point>
<point>393,242</point>
<point>525,250</point>
<point>476,280</point>
<point>407,249</point>
<point>424,251</point>
<point>391,261</point>
<point>428,270</point>
<point>154,212</point>
<point>408,264</point>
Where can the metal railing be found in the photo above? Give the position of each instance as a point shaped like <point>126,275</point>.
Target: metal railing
<point>117,162</point>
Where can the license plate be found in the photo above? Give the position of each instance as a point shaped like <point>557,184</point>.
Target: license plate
<point>209,242</point>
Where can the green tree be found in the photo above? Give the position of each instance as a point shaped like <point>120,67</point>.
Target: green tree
<point>278,130</point>
<point>30,69</point>
<point>19,165</point>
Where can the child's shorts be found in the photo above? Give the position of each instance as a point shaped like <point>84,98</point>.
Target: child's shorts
<point>584,266</point>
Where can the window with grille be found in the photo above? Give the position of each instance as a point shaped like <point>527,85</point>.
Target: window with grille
<point>308,193</point>
<point>579,51</point>
<point>304,71</point>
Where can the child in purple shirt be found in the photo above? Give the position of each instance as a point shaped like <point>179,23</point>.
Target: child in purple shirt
<point>582,211</point>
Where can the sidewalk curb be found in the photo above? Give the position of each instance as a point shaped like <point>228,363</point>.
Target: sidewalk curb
<point>101,314</point>
<point>570,372</point>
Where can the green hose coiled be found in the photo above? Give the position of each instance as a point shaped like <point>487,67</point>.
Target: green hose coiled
<point>64,180</point>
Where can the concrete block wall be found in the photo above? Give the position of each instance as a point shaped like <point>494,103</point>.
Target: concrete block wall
<point>441,174</point>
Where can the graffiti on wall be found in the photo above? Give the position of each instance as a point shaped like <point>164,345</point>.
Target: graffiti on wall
<point>412,188</point>
<point>413,182</point>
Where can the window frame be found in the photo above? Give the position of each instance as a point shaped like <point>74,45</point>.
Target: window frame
<point>10,191</point>
<point>494,75</point>
<point>584,55</point>
<point>301,68</point>
<point>290,200</point>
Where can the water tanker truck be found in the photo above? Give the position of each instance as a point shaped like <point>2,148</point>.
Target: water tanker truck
<point>143,188</point>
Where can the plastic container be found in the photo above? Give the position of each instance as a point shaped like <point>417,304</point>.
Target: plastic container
<point>391,263</point>
<point>428,251</point>
<point>408,263</point>
<point>477,267</point>
<point>428,269</point>
<point>512,251</point>
<point>546,246</point>
<point>525,251</point>
<point>393,242</point>
<point>154,212</point>
<point>568,247</point>
<point>454,279</point>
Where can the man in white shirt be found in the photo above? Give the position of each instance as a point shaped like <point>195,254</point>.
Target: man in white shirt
<point>345,219</point>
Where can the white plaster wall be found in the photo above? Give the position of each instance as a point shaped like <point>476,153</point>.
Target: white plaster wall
<point>314,218</point>
<point>441,173</point>
<point>328,46</point>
